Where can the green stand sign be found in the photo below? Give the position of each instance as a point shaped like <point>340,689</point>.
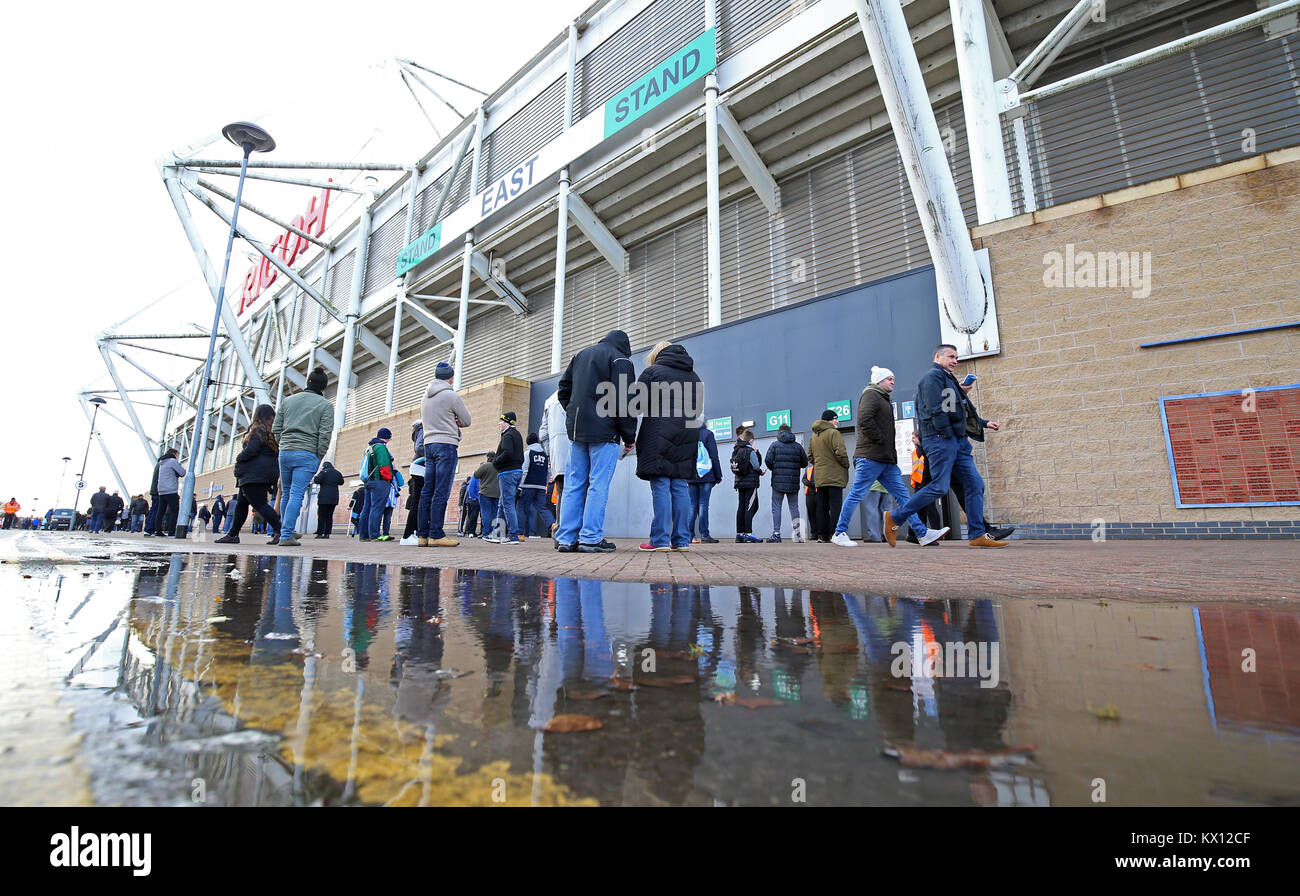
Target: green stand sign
<point>775,419</point>
<point>670,77</point>
<point>419,250</point>
<point>842,408</point>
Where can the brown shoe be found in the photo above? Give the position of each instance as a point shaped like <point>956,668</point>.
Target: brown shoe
<point>891,530</point>
<point>985,541</point>
<point>443,542</point>
<point>423,542</point>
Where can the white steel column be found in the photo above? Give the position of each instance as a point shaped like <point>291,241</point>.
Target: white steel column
<point>126,402</point>
<point>988,161</point>
<point>713,242</point>
<point>466,266</point>
<point>228,318</point>
<point>401,296</point>
<point>961,290</point>
<point>562,221</point>
<point>353,315</point>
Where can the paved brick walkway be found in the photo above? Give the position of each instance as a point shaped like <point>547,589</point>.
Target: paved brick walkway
<point>1261,572</point>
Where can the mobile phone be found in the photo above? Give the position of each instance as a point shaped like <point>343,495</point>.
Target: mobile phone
<point>970,379</point>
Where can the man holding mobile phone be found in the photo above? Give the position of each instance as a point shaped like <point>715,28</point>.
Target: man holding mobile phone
<point>946,418</point>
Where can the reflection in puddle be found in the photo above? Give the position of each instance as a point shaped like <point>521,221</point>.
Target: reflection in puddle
<point>288,680</point>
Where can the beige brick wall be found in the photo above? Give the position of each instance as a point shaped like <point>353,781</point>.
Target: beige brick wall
<point>486,403</point>
<point>1078,398</point>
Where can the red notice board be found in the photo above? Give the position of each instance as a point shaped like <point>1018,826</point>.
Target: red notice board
<point>1234,448</point>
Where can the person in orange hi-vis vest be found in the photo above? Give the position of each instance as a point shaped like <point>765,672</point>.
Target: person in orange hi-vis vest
<point>11,511</point>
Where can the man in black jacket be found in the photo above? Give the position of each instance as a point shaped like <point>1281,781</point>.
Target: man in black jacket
<point>152,522</point>
<point>876,458</point>
<point>942,419</point>
<point>595,392</point>
<point>218,512</point>
<point>509,463</point>
<point>329,480</point>
<point>786,459</point>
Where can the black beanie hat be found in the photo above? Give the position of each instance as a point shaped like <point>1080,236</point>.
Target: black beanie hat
<point>317,379</point>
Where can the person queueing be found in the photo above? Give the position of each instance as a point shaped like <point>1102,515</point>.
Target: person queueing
<point>509,461</point>
<point>876,458</point>
<point>377,474</point>
<point>442,415</point>
<point>554,436</point>
<point>941,412</point>
<point>786,459</point>
<point>596,420</point>
<point>746,468</point>
<point>303,430</point>
<point>667,443</point>
<point>329,480</point>
<point>257,467</point>
<point>218,512</point>
<point>469,526</point>
<point>170,476</point>
<point>489,491</point>
<point>532,491</point>
<point>415,476</point>
<point>702,484</point>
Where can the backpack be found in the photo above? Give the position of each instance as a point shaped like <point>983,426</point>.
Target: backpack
<point>740,463</point>
<point>703,463</point>
<point>381,465</point>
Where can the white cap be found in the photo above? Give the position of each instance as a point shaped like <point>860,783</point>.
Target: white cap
<point>880,373</point>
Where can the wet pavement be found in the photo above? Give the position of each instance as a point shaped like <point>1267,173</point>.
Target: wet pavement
<point>252,679</point>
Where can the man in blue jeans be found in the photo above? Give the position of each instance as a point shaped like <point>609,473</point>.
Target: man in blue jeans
<point>509,462</point>
<point>443,414</point>
<point>702,486</point>
<point>594,392</point>
<point>303,428</point>
<point>944,417</point>
<point>876,458</point>
<point>378,489</point>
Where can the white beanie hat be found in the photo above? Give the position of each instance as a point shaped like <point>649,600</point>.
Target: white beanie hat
<point>880,373</point>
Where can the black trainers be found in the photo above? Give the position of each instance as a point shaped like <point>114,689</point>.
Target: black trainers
<point>605,547</point>
<point>775,539</point>
<point>229,539</point>
<point>1001,533</point>
<point>566,548</point>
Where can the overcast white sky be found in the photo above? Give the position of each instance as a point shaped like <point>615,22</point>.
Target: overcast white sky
<point>96,93</point>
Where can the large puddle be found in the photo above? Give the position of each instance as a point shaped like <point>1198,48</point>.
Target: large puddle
<point>247,680</point>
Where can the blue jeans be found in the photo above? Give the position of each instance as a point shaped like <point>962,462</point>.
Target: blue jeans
<point>876,503</point>
<point>586,492</point>
<point>377,492</point>
<point>488,513</point>
<point>96,521</point>
<point>296,470</point>
<point>439,470</point>
<point>700,492</point>
<point>671,526</point>
<point>947,458</point>
<point>509,485</point>
<point>137,522</point>
<point>867,471</point>
<point>792,499</point>
<point>533,500</point>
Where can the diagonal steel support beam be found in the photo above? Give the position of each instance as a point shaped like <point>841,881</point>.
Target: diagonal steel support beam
<point>244,203</point>
<point>176,192</point>
<point>376,346</point>
<point>498,283</point>
<point>332,364</point>
<point>600,235</point>
<point>428,320</point>
<point>296,181</point>
<point>301,166</point>
<point>116,349</point>
<point>748,160</point>
<point>267,254</point>
<point>126,403</point>
<point>293,376</point>
<point>160,351</point>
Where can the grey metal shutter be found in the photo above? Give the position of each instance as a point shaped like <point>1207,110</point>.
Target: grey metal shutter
<point>341,281</point>
<point>386,241</point>
<point>1180,114</point>
<point>367,399</point>
<point>415,374</point>
<point>653,34</point>
<point>744,22</point>
<point>588,296</point>
<point>529,129</point>
<point>427,199</point>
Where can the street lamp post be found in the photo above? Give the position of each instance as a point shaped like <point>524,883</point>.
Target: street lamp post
<point>81,477</point>
<point>62,476</point>
<point>250,138</point>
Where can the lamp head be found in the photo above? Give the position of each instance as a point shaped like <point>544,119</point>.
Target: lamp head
<point>248,137</point>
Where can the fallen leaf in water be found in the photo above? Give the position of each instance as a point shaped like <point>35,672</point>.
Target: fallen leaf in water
<point>915,757</point>
<point>756,702</point>
<point>1150,638</point>
<point>898,687</point>
<point>586,695</point>
<point>1151,668</point>
<point>1107,713</point>
<point>1049,606</point>
<point>572,722</point>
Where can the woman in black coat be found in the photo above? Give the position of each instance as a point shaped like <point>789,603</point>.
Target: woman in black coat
<point>666,442</point>
<point>257,469</point>
<point>329,480</point>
